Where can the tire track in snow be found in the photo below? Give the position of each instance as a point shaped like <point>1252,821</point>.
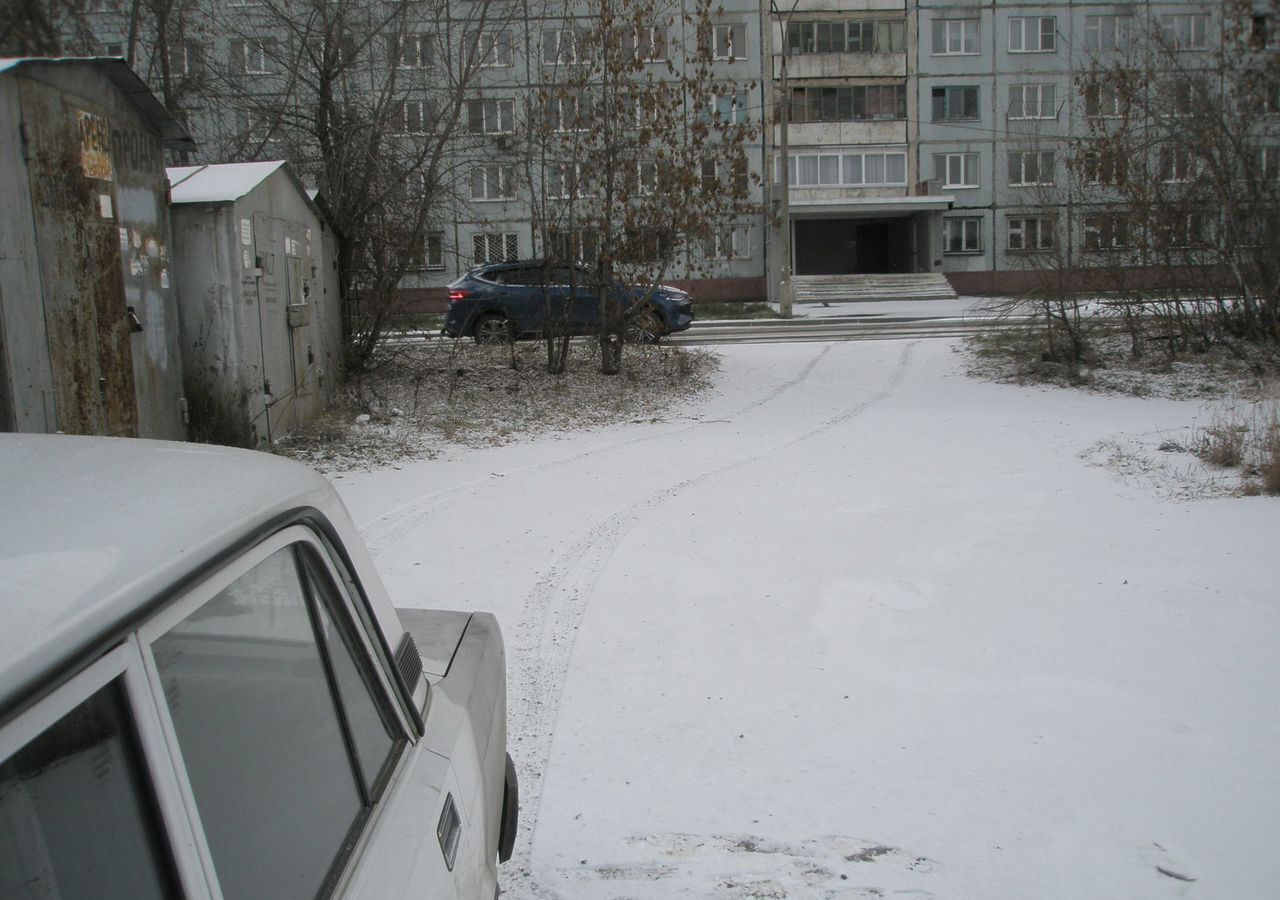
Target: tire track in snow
<point>388,528</point>
<point>545,635</point>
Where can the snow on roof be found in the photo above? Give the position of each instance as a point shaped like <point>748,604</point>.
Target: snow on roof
<point>218,184</point>
<point>111,524</point>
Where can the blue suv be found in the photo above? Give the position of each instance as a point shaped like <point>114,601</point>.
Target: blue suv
<point>502,301</point>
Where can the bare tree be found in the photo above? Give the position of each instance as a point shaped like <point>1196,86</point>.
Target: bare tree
<point>1184,118</point>
<point>636,151</point>
<point>43,27</point>
<point>369,101</point>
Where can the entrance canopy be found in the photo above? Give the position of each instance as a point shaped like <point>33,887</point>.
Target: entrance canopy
<point>860,206</point>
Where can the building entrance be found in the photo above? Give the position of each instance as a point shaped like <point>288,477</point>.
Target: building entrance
<point>853,246</point>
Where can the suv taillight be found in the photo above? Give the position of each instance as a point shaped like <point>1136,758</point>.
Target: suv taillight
<point>455,296</point>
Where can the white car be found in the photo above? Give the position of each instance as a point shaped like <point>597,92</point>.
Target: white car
<point>205,691</point>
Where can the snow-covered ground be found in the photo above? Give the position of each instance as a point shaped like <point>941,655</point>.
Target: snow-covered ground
<point>861,626</point>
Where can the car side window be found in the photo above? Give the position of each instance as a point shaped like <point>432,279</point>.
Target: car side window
<point>76,812</point>
<point>280,738</point>
<point>513,276</point>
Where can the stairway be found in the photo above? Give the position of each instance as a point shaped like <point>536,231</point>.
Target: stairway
<point>865,288</point>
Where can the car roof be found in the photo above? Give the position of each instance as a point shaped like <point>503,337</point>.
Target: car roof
<point>98,529</point>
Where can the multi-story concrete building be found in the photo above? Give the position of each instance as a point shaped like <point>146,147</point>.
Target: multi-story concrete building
<point>925,136</point>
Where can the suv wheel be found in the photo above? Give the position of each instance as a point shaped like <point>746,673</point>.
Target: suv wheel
<point>645,327</point>
<point>493,330</point>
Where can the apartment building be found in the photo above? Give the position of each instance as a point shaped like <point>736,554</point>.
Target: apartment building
<point>924,136</point>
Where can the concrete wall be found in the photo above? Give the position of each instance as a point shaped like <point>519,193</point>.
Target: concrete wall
<point>89,319</point>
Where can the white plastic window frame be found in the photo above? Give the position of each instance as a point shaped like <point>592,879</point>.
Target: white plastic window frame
<point>1032,29</point>
<point>966,35</point>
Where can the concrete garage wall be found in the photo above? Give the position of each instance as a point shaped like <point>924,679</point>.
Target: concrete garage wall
<point>97,303</point>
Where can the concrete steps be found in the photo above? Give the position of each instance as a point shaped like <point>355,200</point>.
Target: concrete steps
<point>867,288</point>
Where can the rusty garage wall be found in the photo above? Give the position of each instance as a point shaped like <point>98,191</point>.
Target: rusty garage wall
<point>89,318</point>
<point>258,300</point>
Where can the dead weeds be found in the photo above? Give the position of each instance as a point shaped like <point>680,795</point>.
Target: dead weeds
<point>419,399</point>
<point>1238,387</point>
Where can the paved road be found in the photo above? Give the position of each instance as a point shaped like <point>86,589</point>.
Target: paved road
<point>839,322</point>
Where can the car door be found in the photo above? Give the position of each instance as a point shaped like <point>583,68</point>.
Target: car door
<point>522,298</point>
<point>575,299</point>
<point>283,726</point>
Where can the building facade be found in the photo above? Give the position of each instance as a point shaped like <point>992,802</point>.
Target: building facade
<point>923,135</point>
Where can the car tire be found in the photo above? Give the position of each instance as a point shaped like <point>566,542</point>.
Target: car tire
<point>645,326</point>
<point>492,330</point>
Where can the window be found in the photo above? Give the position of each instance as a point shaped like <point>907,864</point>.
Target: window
<point>565,180</point>
<point>1031,233</point>
<point>493,182</point>
<point>852,169</point>
<point>1183,103</point>
<point>567,113</point>
<point>1107,32</point>
<point>1104,168</point>
<point>1262,33</point>
<point>1032,34</point>
<point>114,48</point>
<point>654,242</point>
<point>643,178</point>
<point>849,104</point>
<point>1175,165</point>
<point>647,44</point>
<point>414,51</point>
<point>346,50</point>
<point>575,245</point>
<point>728,42</point>
<point>956,170</point>
<point>494,48</point>
<point>718,175</point>
<point>953,104</point>
<point>496,247</point>
<point>427,252</point>
<point>76,819</point>
<point>1030,167</point>
<point>849,36</point>
<point>732,242</point>
<point>1186,32</point>
<point>955,36</point>
<point>889,37</point>
<point>1179,229</point>
<point>413,117</point>
<point>1106,231</point>
<point>561,45</point>
<point>253,57</point>
<point>1032,101</point>
<point>278,730</point>
<point>962,235</point>
<point>731,108</point>
<point>1269,164</point>
<point>184,59</point>
<point>490,116</point>
<point>1102,101</point>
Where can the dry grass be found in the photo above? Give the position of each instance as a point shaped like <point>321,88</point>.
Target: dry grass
<point>1239,387</point>
<point>421,398</point>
